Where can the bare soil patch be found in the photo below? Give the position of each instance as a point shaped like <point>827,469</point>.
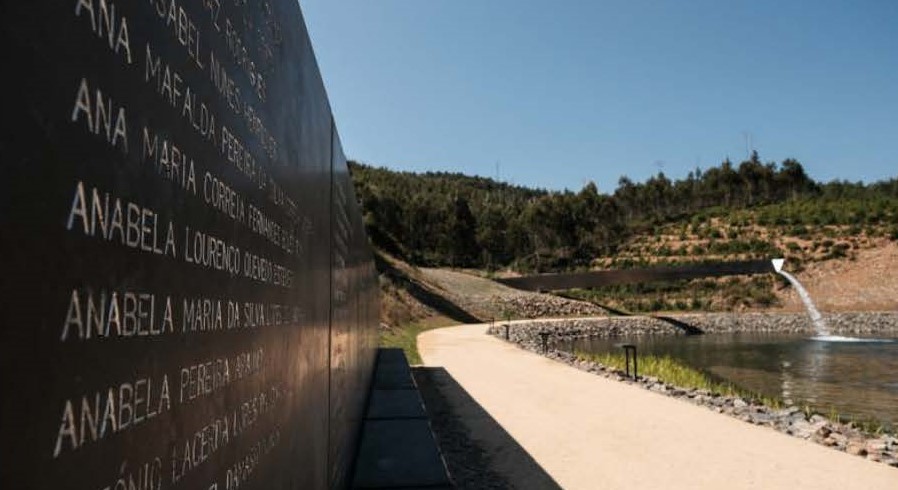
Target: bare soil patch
<point>869,283</point>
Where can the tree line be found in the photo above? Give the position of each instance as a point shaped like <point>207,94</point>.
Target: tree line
<point>451,219</point>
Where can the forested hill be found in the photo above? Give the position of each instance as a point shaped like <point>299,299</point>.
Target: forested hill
<point>450,219</point>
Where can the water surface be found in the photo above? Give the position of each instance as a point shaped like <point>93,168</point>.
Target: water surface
<point>854,378</point>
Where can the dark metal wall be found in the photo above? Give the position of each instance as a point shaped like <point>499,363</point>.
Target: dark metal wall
<point>557,282</point>
<point>188,295</point>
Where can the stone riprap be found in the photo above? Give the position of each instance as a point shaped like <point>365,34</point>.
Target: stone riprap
<point>534,305</point>
<point>790,420</point>
<point>563,330</point>
<point>487,299</point>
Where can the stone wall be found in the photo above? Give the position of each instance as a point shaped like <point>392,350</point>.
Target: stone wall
<point>527,333</point>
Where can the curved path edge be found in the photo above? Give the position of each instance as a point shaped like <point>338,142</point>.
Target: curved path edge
<point>589,432</point>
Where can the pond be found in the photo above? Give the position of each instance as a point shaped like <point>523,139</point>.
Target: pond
<point>856,379</point>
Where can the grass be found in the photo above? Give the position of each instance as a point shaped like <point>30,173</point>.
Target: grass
<point>405,337</point>
<point>869,425</point>
<point>685,295</point>
<point>677,373</point>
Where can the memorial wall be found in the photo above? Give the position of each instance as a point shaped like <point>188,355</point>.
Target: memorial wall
<point>189,298</point>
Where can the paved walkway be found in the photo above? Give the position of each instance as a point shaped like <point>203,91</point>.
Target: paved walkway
<point>593,433</point>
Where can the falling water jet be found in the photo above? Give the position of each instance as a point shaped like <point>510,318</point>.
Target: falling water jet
<point>816,317</point>
<point>823,334</point>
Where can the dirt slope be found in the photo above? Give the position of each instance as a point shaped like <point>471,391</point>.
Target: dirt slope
<point>411,294</point>
<point>869,283</point>
<point>490,300</point>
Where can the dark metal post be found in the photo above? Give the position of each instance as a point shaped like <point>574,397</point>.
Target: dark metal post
<point>627,348</point>
<point>506,331</point>
<point>545,336</point>
<point>627,357</point>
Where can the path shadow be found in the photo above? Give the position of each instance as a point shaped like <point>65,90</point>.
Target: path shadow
<point>607,308</point>
<point>689,329</point>
<point>478,451</point>
<point>421,293</point>
<point>686,327</point>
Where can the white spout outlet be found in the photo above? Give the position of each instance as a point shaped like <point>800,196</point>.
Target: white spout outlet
<point>815,315</point>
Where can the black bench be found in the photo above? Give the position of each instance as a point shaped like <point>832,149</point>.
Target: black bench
<point>397,448</point>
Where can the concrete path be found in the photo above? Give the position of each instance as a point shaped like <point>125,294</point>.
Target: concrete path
<point>593,433</point>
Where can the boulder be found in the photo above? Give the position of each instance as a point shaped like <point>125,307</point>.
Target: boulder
<point>856,448</point>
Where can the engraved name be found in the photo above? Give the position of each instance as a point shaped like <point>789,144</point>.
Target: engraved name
<point>182,27</point>
<point>101,116</point>
<point>98,415</point>
<point>170,161</point>
<point>103,314</point>
<point>106,25</point>
<point>102,215</point>
<point>171,87</point>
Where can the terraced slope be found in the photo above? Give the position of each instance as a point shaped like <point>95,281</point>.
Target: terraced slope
<point>489,299</point>
<point>869,282</point>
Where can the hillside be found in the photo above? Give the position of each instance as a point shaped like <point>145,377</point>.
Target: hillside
<point>754,209</point>
<point>417,299</point>
<point>839,237</point>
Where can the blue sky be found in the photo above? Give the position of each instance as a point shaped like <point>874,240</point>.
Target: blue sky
<point>562,92</point>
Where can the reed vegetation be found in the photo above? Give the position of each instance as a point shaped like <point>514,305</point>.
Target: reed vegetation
<point>679,374</point>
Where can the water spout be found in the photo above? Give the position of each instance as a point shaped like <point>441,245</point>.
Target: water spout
<point>816,317</point>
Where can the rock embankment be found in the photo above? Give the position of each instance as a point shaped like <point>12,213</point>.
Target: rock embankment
<point>535,305</point>
<point>579,328</point>
<point>491,300</point>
